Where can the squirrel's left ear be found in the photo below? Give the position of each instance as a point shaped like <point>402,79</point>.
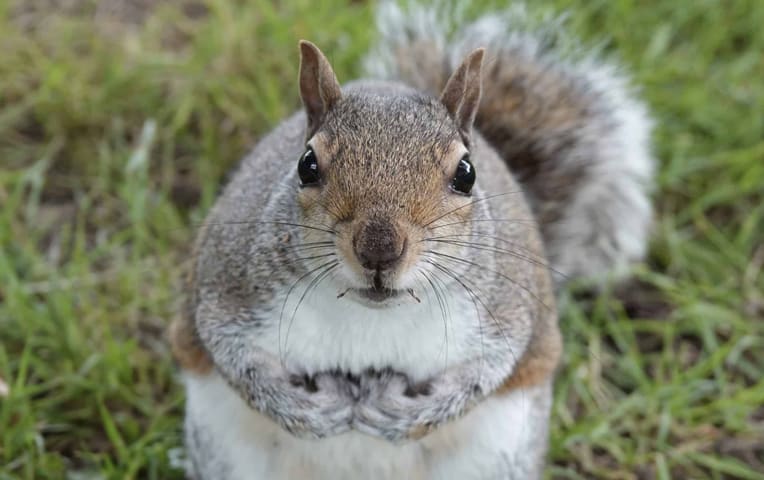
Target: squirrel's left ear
<point>319,87</point>
<point>461,96</point>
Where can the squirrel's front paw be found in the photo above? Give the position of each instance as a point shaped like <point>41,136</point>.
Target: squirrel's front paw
<point>315,407</point>
<point>391,407</point>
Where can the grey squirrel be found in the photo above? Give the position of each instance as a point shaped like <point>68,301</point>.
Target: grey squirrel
<point>373,294</point>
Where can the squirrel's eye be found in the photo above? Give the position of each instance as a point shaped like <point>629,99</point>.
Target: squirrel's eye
<point>464,178</point>
<point>307,168</point>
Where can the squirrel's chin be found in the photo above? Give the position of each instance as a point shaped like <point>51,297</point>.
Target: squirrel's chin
<point>378,298</point>
<point>378,294</point>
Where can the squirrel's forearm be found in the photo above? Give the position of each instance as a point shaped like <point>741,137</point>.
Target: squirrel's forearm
<point>391,407</point>
<point>313,407</point>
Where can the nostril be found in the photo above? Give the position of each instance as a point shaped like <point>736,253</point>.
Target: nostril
<point>379,253</point>
<point>378,260</point>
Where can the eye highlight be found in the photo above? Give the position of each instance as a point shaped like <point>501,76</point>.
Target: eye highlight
<point>464,178</point>
<point>307,168</point>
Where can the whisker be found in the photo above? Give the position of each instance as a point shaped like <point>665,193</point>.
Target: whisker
<point>483,235</point>
<point>448,321</point>
<point>509,279</point>
<point>315,256</point>
<point>286,298</point>
<point>317,201</point>
<point>294,260</point>
<point>491,248</point>
<point>264,222</point>
<point>318,242</point>
<point>488,197</point>
<point>526,221</point>
<point>303,248</point>
<point>426,291</point>
<point>441,305</point>
<point>490,313</point>
<point>434,273</point>
<point>311,286</point>
<point>475,297</point>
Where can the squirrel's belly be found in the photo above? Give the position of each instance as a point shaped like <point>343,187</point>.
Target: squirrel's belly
<point>503,437</point>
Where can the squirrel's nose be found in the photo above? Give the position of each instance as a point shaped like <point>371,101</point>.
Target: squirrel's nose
<point>379,245</point>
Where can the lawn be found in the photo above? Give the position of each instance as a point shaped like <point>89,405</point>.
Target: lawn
<point>119,121</point>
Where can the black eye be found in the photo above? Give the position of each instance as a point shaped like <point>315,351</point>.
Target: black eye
<point>464,178</point>
<point>307,168</point>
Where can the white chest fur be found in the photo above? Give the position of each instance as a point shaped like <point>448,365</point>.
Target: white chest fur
<point>419,338</point>
<point>502,438</point>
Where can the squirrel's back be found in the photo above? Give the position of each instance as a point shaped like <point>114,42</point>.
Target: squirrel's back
<point>568,125</point>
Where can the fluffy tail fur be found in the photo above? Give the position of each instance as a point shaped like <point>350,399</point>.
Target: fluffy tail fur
<point>567,124</point>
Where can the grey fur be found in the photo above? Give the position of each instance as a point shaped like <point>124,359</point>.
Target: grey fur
<point>204,461</point>
<point>388,142</point>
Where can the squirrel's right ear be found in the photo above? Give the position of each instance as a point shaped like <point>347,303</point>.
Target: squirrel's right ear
<point>461,95</point>
<point>319,88</point>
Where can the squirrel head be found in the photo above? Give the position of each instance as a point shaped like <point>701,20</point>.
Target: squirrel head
<point>382,166</point>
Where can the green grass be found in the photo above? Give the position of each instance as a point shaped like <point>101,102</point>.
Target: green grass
<point>115,138</point>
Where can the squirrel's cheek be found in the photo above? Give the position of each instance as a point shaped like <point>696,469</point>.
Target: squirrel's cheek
<point>308,198</point>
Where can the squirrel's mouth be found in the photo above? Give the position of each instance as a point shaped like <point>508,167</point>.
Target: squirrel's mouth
<point>379,290</point>
<point>379,295</point>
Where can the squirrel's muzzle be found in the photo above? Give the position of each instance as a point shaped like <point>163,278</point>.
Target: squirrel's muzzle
<point>379,245</point>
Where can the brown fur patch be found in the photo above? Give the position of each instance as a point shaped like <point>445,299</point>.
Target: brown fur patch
<point>544,351</point>
<point>186,346</point>
<point>187,349</point>
<point>540,360</point>
<point>420,431</point>
<point>537,366</point>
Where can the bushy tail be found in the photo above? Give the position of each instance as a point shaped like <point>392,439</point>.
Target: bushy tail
<point>567,124</point>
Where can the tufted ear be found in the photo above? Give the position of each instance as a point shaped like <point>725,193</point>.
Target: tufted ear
<point>319,88</point>
<point>461,96</point>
